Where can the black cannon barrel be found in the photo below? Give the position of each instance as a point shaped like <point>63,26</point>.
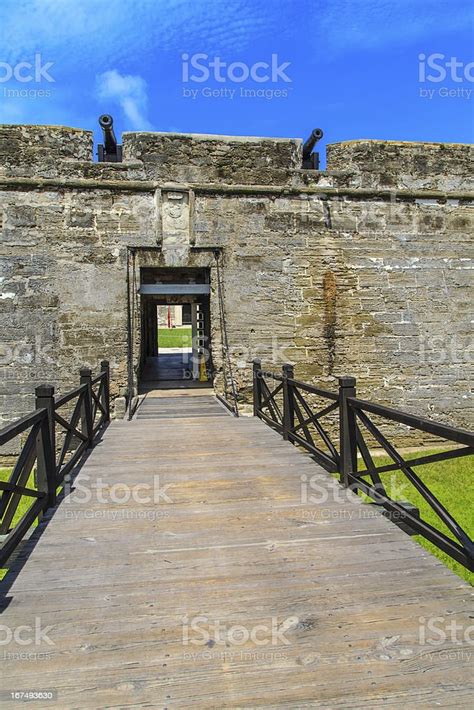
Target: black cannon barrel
<point>110,151</point>
<point>106,122</point>
<point>308,145</point>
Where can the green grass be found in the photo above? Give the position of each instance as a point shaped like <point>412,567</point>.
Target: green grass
<point>23,505</point>
<point>175,337</point>
<point>452,482</point>
<point>25,501</point>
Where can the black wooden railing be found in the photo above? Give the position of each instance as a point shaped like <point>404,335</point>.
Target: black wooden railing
<point>294,409</point>
<point>54,440</point>
<point>285,408</point>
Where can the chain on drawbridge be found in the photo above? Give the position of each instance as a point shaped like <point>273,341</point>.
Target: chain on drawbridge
<point>229,382</point>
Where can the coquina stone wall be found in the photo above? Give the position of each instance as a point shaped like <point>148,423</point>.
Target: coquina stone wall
<point>361,269</point>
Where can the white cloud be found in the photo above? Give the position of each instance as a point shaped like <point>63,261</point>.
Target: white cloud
<point>130,93</point>
<point>345,25</point>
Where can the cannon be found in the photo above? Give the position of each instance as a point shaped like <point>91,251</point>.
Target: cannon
<point>109,151</point>
<point>310,159</point>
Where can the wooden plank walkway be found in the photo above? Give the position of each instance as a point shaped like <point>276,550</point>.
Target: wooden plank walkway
<point>180,406</point>
<point>129,578</point>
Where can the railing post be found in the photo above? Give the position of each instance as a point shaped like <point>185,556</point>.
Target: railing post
<point>46,445</point>
<point>288,404</point>
<point>86,413</point>
<point>347,430</point>
<point>257,387</point>
<point>105,367</point>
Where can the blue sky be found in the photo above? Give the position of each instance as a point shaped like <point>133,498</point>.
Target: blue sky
<point>349,66</point>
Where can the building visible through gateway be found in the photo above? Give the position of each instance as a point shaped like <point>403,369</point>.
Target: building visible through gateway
<point>175,327</point>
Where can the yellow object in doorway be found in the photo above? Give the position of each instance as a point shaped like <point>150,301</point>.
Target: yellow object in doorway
<point>202,370</point>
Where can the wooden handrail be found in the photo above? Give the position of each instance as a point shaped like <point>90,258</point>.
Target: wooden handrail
<point>300,424</point>
<point>91,412</point>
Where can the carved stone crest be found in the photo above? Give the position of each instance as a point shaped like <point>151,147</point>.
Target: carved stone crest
<point>175,217</point>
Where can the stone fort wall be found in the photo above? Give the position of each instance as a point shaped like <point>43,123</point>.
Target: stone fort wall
<point>361,269</point>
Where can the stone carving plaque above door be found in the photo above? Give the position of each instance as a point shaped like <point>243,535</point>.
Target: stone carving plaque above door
<point>175,209</point>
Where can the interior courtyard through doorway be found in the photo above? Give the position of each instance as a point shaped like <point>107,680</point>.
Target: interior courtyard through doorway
<point>175,327</point>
